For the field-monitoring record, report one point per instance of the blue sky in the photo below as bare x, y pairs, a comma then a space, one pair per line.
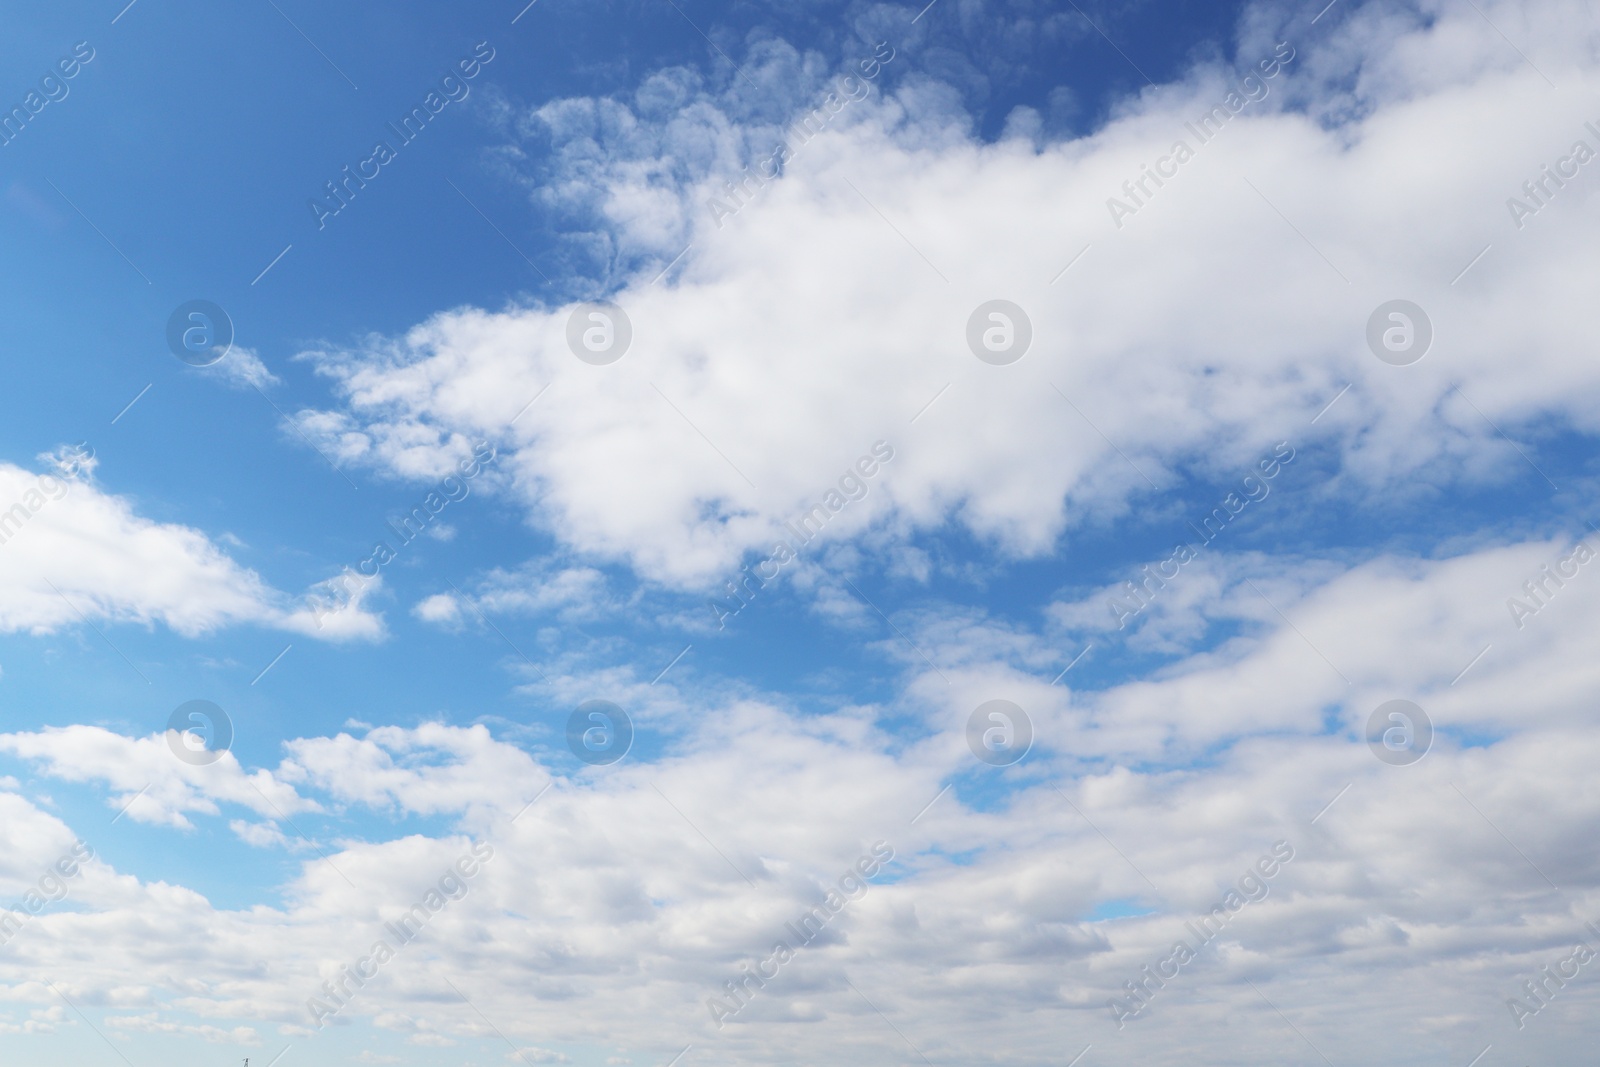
1176, 348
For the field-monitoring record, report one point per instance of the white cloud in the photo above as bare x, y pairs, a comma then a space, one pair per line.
241, 368
72, 550
441, 608
39, 1021
434, 769
536, 588
628, 884
629, 887
334, 610
833, 308
153, 1023
149, 781
260, 834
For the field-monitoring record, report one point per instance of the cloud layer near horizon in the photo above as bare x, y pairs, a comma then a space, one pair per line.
649, 883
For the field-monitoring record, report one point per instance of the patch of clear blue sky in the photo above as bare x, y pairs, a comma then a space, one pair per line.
1117, 909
